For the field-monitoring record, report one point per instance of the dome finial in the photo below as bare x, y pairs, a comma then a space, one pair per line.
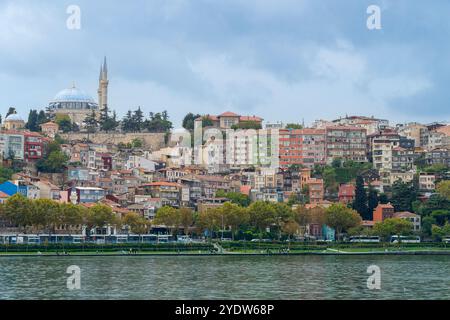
73, 85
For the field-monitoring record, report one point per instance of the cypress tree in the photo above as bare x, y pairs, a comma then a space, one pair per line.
360, 202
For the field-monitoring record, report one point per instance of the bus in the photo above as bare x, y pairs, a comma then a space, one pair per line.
405, 239
365, 239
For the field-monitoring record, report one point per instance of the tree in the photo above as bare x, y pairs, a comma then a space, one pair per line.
32, 123
138, 120
391, 227
185, 219
189, 120
106, 122
441, 216
42, 118
372, 202
403, 195
303, 218
54, 163
91, 122
137, 143
137, 223
290, 227
5, 174
207, 122
233, 216
360, 201
283, 213
427, 224
64, 122
167, 216
246, 125
294, 126
46, 213
18, 210
209, 220
341, 218
72, 214
235, 197
443, 188
128, 122
158, 122
11, 110
440, 232
100, 216
262, 215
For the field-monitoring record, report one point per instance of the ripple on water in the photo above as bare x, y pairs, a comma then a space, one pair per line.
237, 277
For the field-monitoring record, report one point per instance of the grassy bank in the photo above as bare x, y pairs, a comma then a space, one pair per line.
231, 248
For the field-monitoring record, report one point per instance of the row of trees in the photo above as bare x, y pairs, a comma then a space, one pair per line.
44, 215
257, 219
135, 121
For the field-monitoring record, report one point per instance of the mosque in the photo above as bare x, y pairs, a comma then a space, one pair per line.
77, 104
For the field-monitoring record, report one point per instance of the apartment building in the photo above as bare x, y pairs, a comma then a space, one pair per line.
347, 143
302, 147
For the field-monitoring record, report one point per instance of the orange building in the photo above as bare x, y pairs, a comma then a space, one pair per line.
382, 212
302, 147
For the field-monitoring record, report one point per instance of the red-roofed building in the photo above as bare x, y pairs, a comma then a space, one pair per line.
346, 193
383, 212
228, 119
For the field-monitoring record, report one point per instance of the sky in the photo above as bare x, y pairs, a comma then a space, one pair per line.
283, 60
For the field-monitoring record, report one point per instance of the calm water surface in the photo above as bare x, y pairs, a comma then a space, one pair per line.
260, 277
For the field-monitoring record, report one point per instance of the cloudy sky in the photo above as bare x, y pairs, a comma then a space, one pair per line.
284, 60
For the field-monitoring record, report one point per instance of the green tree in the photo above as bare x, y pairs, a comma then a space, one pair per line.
167, 216
64, 122
341, 218
100, 216
11, 110
209, 220
360, 201
32, 123
189, 120
391, 227
443, 188
18, 210
372, 202
403, 195
91, 122
185, 219
262, 215
294, 126
137, 223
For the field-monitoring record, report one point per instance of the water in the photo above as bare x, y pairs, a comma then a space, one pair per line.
238, 277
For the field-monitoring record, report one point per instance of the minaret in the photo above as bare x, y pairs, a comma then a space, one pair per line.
103, 87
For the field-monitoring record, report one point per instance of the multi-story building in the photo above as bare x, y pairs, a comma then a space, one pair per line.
402, 159
383, 212
438, 156
371, 124
33, 145
413, 131
12, 145
86, 194
427, 182
168, 192
229, 119
302, 147
346, 143
411, 217
346, 193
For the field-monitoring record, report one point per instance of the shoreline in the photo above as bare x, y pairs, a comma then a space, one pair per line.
229, 254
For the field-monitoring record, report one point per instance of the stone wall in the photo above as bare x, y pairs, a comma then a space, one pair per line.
152, 141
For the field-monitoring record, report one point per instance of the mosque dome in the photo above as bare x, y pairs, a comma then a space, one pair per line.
13, 117
73, 98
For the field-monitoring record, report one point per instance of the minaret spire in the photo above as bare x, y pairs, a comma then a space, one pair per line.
105, 69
